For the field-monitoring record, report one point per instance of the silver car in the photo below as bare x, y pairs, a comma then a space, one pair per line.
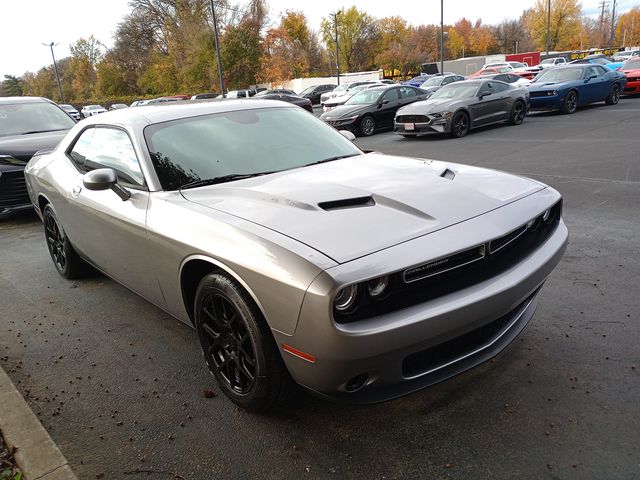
297, 257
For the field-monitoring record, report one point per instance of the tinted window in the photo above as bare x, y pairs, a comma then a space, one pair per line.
392, 95
590, 71
486, 88
502, 78
406, 92
210, 146
499, 87
23, 118
110, 148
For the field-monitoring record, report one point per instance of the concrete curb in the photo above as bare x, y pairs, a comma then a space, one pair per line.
37, 455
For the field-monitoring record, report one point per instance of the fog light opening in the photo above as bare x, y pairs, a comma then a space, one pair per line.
357, 382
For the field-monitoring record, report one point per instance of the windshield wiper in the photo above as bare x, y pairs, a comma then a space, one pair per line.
221, 179
331, 159
42, 131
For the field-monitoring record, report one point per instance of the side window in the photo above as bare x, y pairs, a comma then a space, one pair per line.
392, 95
406, 92
486, 88
112, 148
601, 70
447, 80
459, 78
499, 87
81, 150
502, 78
590, 71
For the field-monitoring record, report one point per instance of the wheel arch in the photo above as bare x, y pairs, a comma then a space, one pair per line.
194, 268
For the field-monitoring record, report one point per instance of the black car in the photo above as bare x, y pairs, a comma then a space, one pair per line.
372, 109
27, 125
434, 84
313, 93
299, 101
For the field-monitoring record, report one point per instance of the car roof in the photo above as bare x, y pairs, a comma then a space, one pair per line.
163, 112
14, 100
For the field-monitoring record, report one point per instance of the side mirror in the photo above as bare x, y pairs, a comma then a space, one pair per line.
484, 94
105, 179
348, 135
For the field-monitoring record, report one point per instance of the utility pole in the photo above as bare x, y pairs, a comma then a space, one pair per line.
217, 42
335, 29
613, 22
548, 26
442, 37
603, 4
55, 67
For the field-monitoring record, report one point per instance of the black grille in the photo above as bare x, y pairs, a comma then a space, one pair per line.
443, 264
538, 94
412, 119
453, 349
13, 190
508, 251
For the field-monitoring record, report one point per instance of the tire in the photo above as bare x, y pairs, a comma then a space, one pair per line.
518, 112
570, 104
460, 125
367, 126
238, 346
614, 95
66, 260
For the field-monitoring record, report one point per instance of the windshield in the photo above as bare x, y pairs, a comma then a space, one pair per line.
307, 90
547, 61
433, 82
215, 145
601, 61
631, 64
341, 88
561, 74
24, 118
456, 90
366, 97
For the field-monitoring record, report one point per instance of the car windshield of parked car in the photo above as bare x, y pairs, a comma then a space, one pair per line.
307, 90
561, 74
36, 117
433, 82
366, 97
341, 88
632, 64
456, 90
601, 61
204, 148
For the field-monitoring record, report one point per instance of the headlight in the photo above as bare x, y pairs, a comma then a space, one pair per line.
346, 298
552, 93
443, 114
378, 287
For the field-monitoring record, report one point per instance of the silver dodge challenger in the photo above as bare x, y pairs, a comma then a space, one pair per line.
297, 257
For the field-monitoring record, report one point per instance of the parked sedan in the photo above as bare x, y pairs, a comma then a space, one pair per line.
567, 88
293, 99
314, 92
458, 107
118, 106
284, 91
631, 70
417, 80
27, 125
342, 99
91, 110
343, 90
71, 111
510, 78
296, 256
372, 109
435, 83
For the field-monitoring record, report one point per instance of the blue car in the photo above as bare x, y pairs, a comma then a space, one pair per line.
417, 81
567, 88
599, 60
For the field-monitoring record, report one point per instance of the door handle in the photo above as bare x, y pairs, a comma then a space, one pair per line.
76, 190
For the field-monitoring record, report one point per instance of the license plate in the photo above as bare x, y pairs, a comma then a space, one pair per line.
409, 126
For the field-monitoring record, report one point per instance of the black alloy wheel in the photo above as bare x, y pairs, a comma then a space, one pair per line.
238, 346
518, 112
460, 125
570, 104
367, 126
67, 262
614, 95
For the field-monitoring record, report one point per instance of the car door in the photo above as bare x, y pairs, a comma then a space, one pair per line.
109, 231
490, 105
603, 83
387, 107
592, 84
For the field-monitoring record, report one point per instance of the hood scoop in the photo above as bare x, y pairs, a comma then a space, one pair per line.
347, 203
448, 174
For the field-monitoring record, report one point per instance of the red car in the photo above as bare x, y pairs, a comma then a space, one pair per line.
631, 70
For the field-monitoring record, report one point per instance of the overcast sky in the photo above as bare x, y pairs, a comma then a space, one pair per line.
26, 24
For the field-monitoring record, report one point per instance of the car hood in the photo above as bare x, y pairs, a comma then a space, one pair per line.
356, 206
435, 105
633, 72
345, 111
22, 147
548, 85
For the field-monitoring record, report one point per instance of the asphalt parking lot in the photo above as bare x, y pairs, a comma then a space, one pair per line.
119, 384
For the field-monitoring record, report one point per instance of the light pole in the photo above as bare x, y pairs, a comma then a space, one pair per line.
548, 26
442, 37
217, 42
335, 28
55, 67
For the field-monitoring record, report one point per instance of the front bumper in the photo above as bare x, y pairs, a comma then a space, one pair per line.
434, 125
409, 349
632, 87
14, 197
549, 102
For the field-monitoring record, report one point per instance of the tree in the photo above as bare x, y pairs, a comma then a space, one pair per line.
628, 28
511, 36
357, 36
460, 40
12, 86
241, 49
565, 24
